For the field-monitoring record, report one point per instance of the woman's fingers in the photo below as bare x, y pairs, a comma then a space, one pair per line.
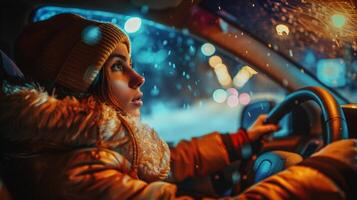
261, 119
269, 128
259, 129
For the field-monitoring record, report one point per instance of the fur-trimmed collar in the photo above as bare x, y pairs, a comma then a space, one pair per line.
30, 116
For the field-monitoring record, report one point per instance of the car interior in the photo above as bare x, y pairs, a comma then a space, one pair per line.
269, 72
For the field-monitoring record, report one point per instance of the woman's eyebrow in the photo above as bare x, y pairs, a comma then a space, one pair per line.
122, 57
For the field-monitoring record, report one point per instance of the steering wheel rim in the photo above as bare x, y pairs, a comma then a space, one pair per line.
335, 125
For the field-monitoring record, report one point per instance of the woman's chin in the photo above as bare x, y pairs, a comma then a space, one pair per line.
135, 113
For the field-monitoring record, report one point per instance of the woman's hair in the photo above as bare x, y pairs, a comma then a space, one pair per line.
102, 90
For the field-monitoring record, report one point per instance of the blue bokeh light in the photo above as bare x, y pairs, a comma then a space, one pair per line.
332, 72
309, 59
91, 35
208, 49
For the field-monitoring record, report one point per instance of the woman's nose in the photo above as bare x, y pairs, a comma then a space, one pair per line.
136, 80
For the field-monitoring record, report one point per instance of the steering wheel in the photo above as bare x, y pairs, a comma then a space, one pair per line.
333, 123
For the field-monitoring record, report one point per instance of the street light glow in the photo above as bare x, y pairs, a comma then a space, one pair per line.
282, 30
338, 20
132, 25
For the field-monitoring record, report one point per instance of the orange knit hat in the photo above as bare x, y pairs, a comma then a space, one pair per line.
67, 49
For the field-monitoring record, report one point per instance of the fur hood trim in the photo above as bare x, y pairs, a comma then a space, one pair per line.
32, 117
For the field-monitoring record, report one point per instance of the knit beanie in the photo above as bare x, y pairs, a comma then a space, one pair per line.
67, 49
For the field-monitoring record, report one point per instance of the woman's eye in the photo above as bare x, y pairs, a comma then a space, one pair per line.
117, 67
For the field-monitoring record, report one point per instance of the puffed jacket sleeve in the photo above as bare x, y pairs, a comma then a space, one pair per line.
106, 177
104, 174
207, 154
298, 182
313, 178
198, 157
318, 177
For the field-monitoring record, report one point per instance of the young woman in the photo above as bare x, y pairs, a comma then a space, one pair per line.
86, 141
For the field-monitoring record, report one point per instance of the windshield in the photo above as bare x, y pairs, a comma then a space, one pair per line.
320, 36
192, 87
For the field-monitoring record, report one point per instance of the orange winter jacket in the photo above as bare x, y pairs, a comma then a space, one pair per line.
70, 149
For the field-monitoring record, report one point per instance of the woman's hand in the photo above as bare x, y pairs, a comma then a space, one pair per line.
259, 129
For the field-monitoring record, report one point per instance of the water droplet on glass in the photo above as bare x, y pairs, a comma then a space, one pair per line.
154, 91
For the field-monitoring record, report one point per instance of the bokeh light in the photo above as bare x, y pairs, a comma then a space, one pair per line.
232, 101
282, 30
208, 49
219, 95
250, 70
244, 98
223, 75
243, 75
332, 72
338, 20
214, 61
155, 91
132, 25
309, 59
241, 78
232, 91
91, 35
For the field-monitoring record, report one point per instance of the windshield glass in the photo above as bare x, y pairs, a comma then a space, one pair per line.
192, 87
320, 36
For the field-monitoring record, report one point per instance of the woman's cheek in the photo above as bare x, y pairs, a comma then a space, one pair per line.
121, 91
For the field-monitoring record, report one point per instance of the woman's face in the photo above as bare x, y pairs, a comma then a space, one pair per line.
124, 81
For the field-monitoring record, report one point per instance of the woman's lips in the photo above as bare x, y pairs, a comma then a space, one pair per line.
138, 101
